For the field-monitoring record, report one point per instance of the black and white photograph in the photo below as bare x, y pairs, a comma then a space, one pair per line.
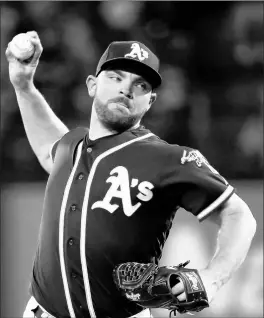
131, 159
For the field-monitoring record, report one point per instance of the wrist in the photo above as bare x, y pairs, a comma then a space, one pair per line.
210, 283
218, 273
26, 88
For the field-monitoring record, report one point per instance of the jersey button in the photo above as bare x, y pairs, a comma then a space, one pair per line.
71, 241
73, 207
81, 176
89, 149
73, 275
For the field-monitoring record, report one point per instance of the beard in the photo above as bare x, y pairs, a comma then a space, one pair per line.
117, 117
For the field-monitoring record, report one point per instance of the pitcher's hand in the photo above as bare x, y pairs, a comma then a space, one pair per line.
21, 73
208, 282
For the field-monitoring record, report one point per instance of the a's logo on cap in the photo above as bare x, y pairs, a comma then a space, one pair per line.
138, 52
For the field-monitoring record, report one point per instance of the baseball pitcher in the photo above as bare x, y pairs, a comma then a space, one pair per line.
113, 190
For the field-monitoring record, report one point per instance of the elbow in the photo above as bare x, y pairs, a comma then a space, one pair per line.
251, 229
249, 219
253, 225
238, 209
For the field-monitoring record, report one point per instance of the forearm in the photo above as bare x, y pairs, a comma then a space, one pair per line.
233, 242
41, 124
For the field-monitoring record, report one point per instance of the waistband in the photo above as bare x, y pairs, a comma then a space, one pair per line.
40, 312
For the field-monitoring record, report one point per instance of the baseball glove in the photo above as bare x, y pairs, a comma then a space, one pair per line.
151, 286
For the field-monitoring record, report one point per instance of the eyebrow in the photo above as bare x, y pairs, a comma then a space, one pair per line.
121, 73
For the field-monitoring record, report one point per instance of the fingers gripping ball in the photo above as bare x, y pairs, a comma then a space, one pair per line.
21, 47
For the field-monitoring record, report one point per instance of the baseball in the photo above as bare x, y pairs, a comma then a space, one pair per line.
21, 47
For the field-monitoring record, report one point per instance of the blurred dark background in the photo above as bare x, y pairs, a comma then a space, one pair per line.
211, 99
211, 61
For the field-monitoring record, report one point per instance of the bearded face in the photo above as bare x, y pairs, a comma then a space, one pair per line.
121, 99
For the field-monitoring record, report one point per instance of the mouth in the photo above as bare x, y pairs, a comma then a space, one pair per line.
121, 104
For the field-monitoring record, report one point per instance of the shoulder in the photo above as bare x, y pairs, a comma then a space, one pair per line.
178, 155
68, 143
173, 151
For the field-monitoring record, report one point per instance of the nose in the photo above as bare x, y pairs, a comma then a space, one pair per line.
126, 90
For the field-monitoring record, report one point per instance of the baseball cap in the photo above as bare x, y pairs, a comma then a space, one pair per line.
134, 56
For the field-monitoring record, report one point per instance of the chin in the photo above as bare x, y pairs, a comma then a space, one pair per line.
120, 124
117, 126
117, 118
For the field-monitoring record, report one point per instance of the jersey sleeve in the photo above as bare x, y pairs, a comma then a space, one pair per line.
201, 189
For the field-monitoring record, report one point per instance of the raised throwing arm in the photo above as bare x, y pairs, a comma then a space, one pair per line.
41, 124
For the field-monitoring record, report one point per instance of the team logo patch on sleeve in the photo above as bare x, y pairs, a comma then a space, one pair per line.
198, 158
193, 155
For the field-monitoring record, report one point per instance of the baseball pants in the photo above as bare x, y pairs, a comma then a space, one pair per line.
34, 310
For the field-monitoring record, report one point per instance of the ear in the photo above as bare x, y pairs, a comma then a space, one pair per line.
91, 82
153, 97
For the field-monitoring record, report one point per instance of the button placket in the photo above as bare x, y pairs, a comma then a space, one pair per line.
73, 275
81, 176
71, 241
73, 207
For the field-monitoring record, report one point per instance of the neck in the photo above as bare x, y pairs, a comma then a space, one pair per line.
98, 130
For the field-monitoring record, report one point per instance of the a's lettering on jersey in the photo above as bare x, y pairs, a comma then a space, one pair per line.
199, 159
120, 188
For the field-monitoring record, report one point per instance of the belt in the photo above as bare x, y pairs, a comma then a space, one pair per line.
40, 313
